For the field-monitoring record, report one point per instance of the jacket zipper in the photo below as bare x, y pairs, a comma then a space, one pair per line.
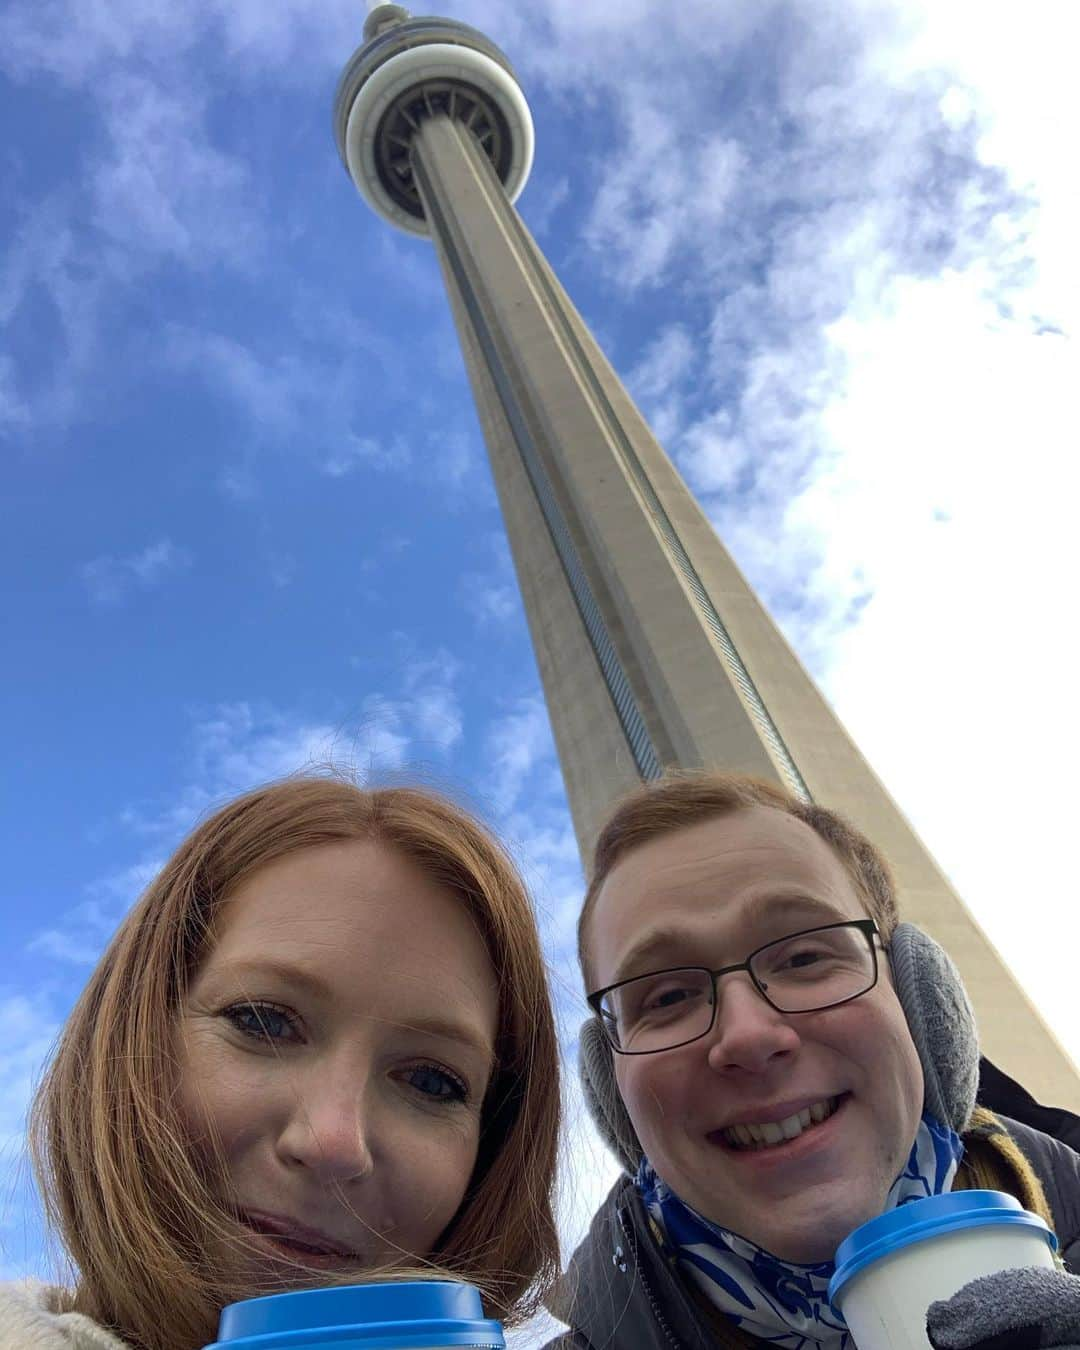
631, 1238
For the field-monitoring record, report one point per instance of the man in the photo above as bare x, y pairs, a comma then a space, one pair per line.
776, 1059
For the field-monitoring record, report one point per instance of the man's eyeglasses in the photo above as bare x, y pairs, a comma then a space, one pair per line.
803, 972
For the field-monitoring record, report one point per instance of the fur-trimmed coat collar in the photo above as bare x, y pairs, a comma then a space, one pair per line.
34, 1316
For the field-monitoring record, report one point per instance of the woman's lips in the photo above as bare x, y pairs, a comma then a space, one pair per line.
281, 1248
297, 1241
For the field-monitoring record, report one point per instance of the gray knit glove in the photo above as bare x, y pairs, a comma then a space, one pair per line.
1027, 1309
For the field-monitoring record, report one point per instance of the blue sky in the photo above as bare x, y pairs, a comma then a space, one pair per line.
248, 523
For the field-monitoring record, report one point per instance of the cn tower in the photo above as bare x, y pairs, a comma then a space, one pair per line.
653, 650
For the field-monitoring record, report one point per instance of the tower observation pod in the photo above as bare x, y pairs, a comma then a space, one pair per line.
653, 650
408, 72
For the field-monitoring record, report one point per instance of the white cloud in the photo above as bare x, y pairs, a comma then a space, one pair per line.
29, 1028
296, 394
79, 43
660, 380
156, 561
667, 361
540, 211
30, 1024
490, 602
523, 795
353, 453
46, 277
517, 742
491, 595
161, 188
13, 410
109, 581
238, 746
435, 717
87, 927
669, 187
952, 513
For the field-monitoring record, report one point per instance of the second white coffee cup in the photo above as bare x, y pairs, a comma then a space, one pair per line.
891, 1269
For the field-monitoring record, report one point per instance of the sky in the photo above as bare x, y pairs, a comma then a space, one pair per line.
247, 523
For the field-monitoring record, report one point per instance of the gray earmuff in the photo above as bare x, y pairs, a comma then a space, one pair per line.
596, 1068
941, 1022
938, 1014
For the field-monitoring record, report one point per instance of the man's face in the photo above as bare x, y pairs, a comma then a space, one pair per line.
709, 895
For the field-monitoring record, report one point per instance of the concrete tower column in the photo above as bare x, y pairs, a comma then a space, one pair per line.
653, 649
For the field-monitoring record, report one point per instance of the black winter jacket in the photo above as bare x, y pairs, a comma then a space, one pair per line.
620, 1293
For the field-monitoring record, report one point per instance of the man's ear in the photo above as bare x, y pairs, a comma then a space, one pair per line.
596, 1067
941, 1021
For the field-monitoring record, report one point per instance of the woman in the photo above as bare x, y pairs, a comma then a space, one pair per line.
319, 1047
776, 1059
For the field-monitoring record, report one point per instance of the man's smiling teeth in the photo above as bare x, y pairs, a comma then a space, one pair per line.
779, 1131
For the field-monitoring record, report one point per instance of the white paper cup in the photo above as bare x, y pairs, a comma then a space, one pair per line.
891, 1269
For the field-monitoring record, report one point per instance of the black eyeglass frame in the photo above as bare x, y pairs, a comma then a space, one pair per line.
868, 927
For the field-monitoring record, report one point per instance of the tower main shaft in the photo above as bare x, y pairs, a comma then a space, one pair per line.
653, 650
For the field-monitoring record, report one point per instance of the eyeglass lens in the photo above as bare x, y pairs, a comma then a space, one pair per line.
797, 974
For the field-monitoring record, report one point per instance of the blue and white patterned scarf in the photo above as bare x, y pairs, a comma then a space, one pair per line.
778, 1301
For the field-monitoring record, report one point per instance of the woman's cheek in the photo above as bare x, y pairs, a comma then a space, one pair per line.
229, 1102
441, 1156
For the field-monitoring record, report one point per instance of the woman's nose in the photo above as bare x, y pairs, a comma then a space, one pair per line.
749, 1033
329, 1132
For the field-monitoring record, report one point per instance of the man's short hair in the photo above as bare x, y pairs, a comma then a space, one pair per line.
686, 798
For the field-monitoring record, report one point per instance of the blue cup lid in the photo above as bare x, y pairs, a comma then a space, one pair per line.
920, 1219
373, 1316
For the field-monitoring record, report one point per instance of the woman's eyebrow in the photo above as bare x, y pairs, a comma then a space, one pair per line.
439, 1026
285, 971
447, 1029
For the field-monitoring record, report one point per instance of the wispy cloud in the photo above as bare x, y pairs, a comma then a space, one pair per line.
78, 43
162, 189
46, 279
491, 595
110, 581
88, 926
238, 746
661, 378
665, 191
490, 601
526, 799
29, 1027
13, 410
517, 743
30, 1023
301, 396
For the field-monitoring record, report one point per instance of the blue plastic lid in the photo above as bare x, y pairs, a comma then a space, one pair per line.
921, 1219
372, 1316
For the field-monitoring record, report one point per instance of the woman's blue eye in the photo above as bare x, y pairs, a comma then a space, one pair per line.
261, 1021
436, 1083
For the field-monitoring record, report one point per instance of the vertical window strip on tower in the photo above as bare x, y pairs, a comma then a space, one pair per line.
737, 669
615, 678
